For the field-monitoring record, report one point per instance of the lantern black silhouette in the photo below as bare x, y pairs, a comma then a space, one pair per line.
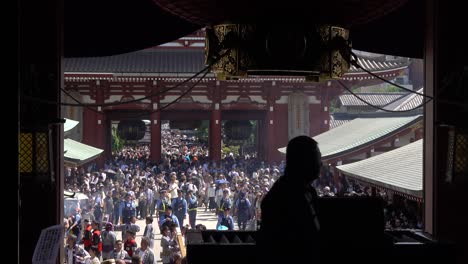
131, 129
185, 124
238, 129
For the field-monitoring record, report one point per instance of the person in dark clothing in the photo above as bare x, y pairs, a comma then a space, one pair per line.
289, 231
227, 222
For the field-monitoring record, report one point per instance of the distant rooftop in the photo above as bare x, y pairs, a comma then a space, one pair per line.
378, 99
360, 133
336, 122
165, 59
69, 124
407, 102
399, 169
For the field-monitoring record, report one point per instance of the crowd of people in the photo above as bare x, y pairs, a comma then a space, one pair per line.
399, 212
167, 195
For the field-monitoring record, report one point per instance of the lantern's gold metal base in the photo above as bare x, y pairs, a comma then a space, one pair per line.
324, 52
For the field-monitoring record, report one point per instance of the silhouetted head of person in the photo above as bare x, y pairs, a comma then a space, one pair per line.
303, 159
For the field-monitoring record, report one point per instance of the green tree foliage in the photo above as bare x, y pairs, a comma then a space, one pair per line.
117, 142
253, 134
203, 131
228, 149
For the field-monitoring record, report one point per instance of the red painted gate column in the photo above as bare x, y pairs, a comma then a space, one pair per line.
100, 136
215, 133
270, 129
155, 128
215, 125
325, 108
270, 133
89, 126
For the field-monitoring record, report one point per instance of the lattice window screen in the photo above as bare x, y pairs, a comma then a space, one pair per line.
34, 152
42, 152
26, 153
461, 154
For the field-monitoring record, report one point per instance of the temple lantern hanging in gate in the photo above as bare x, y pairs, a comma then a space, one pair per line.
185, 124
238, 129
131, 129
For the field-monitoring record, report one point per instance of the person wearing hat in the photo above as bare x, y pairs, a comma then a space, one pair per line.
130, 226
179, 207
162, 204
243, 206
224, 203
168, 218
108, 241
192, 207
226, 220
129, 209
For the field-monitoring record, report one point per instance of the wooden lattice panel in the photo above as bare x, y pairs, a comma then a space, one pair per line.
26, 153
42, 152
461, 154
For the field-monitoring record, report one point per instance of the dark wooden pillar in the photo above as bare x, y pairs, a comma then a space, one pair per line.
446, 68
108, 138
100, 132
89, 127
96, 129
40, 186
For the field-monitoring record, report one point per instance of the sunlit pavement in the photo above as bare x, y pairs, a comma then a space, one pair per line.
209, 219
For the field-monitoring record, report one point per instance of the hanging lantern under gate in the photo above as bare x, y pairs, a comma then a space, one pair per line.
131, 129
184, 124
238, 129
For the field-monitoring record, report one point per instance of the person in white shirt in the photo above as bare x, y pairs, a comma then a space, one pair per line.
119, 252
173, 187
219, 194
145, 253
191, 187
94, 255
210, 194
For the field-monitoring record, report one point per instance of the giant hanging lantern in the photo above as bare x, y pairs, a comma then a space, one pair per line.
238, 129
131, 129
317, 52
283, 38
184, 124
